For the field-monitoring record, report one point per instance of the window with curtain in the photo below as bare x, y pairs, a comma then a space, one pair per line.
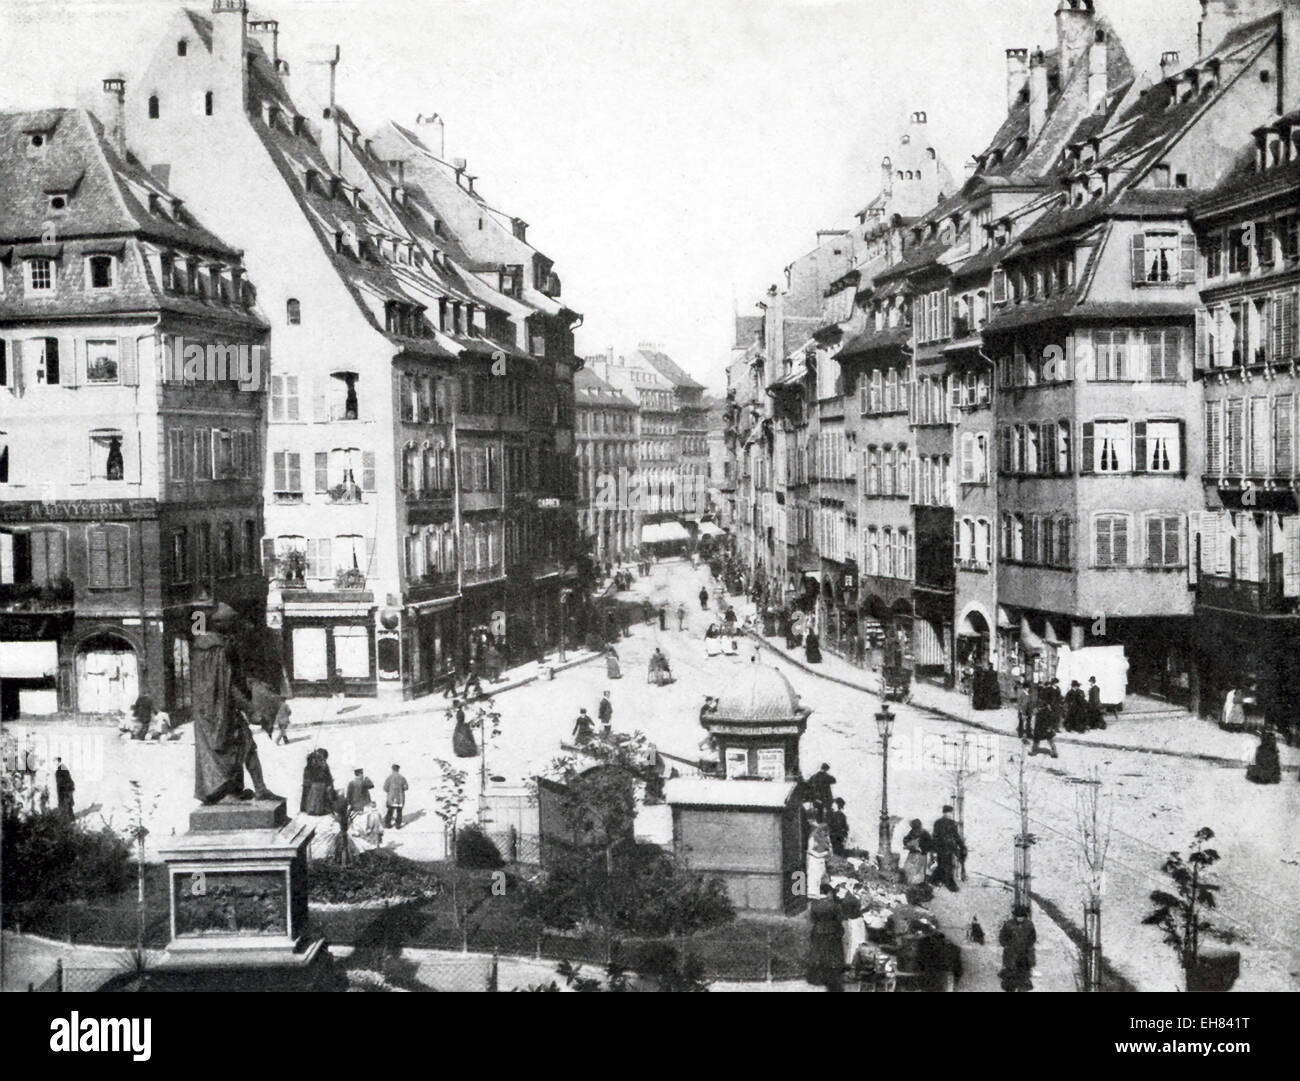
1111, 440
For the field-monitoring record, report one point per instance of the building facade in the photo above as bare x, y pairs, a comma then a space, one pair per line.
133, 367
605, 430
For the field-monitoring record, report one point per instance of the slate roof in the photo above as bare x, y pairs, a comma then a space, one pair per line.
873, 341
592, 389
670, 369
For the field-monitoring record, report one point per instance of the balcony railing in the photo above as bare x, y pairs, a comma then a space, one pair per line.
1241, 595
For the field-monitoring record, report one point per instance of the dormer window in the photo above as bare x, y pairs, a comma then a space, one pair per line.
101, 271
311, 179
182, 47
153, 107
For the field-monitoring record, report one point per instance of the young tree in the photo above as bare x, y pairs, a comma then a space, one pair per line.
1180, 914
1025, 839
448, 802
1093, 815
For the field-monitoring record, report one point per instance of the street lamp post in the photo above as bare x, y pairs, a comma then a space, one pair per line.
886, 858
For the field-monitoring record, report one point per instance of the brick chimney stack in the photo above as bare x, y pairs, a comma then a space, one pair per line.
113, 114
1037, 93
1097, 72
229, 46
1075, 23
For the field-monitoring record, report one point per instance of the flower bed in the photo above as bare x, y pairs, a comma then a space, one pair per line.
377, 877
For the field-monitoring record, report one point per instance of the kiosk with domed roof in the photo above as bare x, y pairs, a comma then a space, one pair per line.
745, 827
756, 723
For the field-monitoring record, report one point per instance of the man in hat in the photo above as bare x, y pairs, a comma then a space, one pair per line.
837, 822
395, 787
359, 787
819, 786
1017, 939
605, 711
949, 849
223, 741
1076, 708
1094, 714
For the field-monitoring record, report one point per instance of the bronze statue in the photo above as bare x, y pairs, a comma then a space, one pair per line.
223, 740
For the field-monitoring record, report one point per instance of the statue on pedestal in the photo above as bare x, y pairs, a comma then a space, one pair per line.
223, 740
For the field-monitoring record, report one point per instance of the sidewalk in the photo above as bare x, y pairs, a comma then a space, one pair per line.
1191, 737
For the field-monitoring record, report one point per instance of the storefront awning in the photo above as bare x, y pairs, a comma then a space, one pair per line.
708, 529
1028, 639
660, 532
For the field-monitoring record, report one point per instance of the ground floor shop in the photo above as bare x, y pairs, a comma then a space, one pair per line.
1258, 655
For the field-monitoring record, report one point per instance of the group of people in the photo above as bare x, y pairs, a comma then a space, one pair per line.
1042, 711
722, 639
584, 729
936, 856
800, 629
355, 804
147, 723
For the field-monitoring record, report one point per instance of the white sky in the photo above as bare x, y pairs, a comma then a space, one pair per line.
671, 156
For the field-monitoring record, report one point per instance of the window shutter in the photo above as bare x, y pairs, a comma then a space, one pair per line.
268, 553
1119, 542
119, 557
52, 372
1187, 263
1104, 555
1202, 358
75, 352
97, 546
1222, 542
1291, 556
1084, 363
1086, 448
134, 454
1193, 536
1138, 257
320, 398
370, 555
1209, 532
324, 560
322, 470
1155, 541
16, 368
1139, 446
1182, 448
127, 368
367, 470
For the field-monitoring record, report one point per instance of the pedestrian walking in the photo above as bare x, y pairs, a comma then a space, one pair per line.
583, 729
395, 787
1045, 723
837, 822
949, 849
812, 647
663, 617
1266, 769
358, 793
704, 598
64, 787
462, 737
681, 617
819, 787
1017, 939
1096, 719
282, 714
613, 670
1024, 709
605, 711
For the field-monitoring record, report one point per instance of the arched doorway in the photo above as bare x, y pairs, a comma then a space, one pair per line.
108, 674
973, 639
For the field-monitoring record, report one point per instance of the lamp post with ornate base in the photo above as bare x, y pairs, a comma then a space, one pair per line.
886, 858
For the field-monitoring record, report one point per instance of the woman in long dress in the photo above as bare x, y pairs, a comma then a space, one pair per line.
612, 668
826, 942
463, 743
317, 784
917, 844
712, 643
812, 647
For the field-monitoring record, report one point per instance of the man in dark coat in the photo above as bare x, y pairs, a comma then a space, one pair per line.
1095, 717
704, 598
1046, 722
358, 794
63, 788
1076, 709
1017, 939
838, 824
819, 787
223, 742
1024, 709
663, 617
605, 711
949, 849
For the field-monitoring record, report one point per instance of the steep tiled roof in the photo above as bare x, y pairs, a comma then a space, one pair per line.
670, 369
591, 389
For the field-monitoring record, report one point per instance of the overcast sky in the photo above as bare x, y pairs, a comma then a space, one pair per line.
671, 156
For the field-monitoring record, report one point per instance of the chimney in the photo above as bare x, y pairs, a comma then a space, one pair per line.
1218, 17
1037, 93
114, 114
1168, 63
282, 70
268, 28
229, 44
1097, 88
1017, 73
1075, 23
436, 136
886, 176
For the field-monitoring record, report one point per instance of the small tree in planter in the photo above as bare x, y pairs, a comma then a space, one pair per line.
448, 801
1093, 819
1180, 916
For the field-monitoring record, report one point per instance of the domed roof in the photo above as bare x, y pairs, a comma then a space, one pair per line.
760, 694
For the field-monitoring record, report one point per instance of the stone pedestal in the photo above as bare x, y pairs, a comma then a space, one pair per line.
238, 889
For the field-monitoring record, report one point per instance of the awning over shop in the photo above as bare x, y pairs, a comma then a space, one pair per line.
708, 529
1028, 639
663, 531
29, 660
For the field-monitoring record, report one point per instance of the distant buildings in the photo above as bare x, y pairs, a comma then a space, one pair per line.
975, 423
606, 433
